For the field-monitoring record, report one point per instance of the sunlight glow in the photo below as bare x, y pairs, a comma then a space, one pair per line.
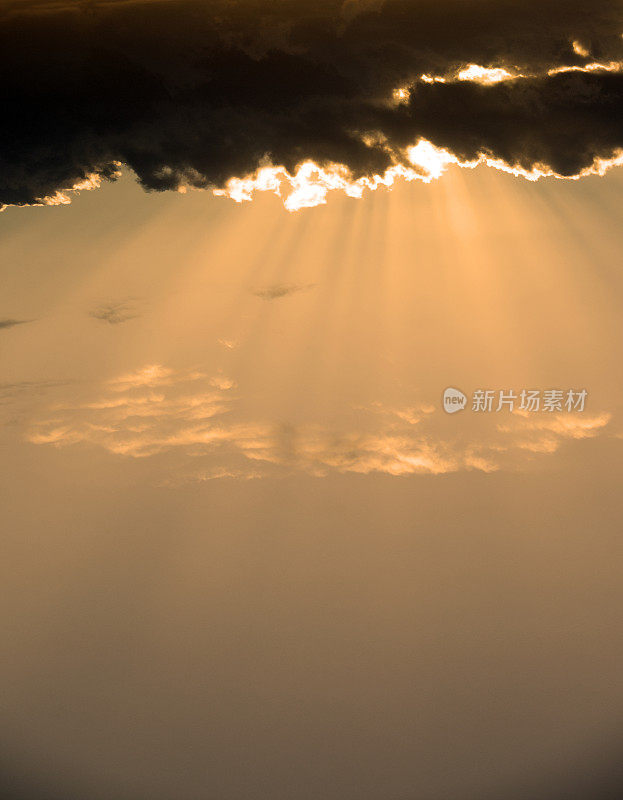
485, 75
475, 73
311, 183
402, 94
595, 66
580, 50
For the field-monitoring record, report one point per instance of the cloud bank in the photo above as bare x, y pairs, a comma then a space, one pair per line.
193, 94
196, 418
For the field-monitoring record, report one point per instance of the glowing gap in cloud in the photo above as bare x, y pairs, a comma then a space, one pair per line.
311, 184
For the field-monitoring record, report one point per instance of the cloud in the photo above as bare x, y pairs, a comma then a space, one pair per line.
11, 323
222, 382
10, 390
279, 290
197, 418
115, 313
188, 93
155, 375
19, 400
546, 434
228, 344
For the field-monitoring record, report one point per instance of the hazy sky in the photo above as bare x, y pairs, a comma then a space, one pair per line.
246, 552
247, 555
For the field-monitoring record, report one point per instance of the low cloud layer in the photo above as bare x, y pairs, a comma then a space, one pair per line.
188, 93
197, 419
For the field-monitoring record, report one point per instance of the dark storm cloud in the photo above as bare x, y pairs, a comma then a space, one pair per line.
183, 91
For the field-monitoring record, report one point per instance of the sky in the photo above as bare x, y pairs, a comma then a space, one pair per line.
247, 553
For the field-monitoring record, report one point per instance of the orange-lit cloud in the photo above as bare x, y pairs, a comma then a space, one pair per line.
157, 410
311, 184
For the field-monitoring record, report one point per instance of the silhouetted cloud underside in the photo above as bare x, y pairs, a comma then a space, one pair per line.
189, 92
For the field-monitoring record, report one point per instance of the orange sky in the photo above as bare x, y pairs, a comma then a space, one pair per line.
246, 548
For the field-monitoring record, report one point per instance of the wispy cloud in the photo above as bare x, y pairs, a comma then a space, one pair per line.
149, 375
116, 313
30, 387
545, 434
146, 412
11, 323
228, 344
197, 415
19, 400
279, 290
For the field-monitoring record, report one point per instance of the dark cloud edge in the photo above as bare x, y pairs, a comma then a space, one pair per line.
133, 86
